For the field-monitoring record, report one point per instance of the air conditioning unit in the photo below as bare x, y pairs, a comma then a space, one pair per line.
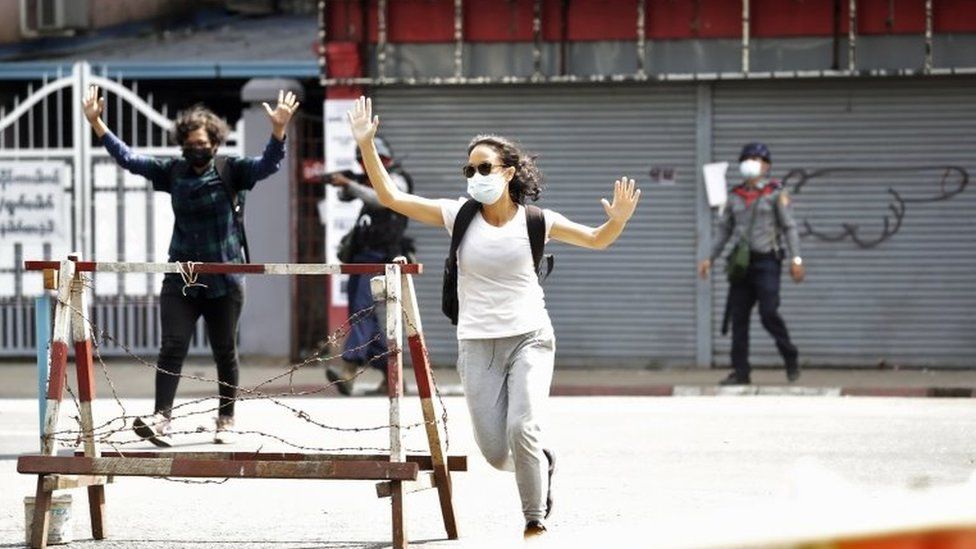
56, 16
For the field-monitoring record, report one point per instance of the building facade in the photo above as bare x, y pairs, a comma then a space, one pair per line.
865, 105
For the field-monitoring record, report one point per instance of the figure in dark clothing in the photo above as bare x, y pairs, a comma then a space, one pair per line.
760, 213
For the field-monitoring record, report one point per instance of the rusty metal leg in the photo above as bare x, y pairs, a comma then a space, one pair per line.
42, 515
421, 369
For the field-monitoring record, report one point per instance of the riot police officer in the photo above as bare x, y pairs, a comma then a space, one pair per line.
758, 215
378, 236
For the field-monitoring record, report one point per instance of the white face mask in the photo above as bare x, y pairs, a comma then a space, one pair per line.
486, 189
750, 169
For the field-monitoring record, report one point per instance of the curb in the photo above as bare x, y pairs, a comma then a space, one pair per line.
683, 391
694, 390
930, 392
762, 390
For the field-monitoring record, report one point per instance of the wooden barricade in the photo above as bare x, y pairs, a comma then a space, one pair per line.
91, 468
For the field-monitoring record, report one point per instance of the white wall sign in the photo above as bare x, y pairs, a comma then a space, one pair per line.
715, 185
33, 204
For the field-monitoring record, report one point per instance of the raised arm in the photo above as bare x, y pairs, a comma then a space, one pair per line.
351, 189
625, 198
254, 169
364, 125
150, 168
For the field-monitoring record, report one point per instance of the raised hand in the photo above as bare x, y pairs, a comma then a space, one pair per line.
362, 123
625, 197
93, 104
282, 113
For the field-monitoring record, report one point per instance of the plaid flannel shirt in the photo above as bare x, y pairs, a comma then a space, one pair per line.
204, 228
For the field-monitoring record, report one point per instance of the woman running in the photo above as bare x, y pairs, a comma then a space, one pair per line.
506, 346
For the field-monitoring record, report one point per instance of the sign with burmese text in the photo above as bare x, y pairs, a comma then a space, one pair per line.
33, 202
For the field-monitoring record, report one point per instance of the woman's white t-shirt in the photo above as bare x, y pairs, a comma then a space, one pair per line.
498, 290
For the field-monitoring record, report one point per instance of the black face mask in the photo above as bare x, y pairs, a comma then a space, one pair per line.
198, 157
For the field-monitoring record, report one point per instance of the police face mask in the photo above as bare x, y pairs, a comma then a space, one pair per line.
198, 157
751, 168
486, 189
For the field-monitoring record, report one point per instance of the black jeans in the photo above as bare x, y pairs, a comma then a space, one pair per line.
761, 284
178, 318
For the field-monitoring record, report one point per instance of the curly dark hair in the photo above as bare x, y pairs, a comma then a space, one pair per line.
527, 182
197, 117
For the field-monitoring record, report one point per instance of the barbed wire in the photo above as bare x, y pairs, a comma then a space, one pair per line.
105, 432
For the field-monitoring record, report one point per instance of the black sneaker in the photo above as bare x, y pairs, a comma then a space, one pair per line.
534, 529
155, 429
551, 456
735, 379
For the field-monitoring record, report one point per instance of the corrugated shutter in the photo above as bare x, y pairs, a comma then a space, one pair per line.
910, 300
630, 305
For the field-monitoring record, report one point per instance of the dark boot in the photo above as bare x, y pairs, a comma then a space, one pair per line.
735, 379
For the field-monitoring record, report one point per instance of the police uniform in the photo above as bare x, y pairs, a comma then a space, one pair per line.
772, 238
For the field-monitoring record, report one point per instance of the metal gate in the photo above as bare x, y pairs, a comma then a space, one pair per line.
110, 214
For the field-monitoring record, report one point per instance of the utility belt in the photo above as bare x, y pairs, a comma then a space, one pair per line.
776, 255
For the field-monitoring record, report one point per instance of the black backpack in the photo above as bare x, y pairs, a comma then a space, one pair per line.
536, 225
180, 167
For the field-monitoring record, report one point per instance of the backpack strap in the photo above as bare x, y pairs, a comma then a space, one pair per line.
535, 221
223, 168
461, 223
449, 290
226, 175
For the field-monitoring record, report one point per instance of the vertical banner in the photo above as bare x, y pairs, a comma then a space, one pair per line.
337, 216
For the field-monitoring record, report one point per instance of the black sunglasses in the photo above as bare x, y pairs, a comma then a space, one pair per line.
484, 169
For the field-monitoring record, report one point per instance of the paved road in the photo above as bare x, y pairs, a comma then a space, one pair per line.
634, 472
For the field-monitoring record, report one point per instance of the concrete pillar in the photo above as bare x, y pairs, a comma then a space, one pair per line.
266, 323
703, 228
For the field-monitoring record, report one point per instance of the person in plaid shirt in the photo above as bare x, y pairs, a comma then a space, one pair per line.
204, 230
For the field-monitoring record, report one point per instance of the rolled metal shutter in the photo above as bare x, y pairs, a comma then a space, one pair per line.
909, 300
630, 305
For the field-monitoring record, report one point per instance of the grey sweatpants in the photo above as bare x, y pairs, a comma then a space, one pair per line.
506, 383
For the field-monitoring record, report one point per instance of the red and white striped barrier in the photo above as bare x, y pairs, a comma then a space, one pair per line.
421, 370
59, 355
